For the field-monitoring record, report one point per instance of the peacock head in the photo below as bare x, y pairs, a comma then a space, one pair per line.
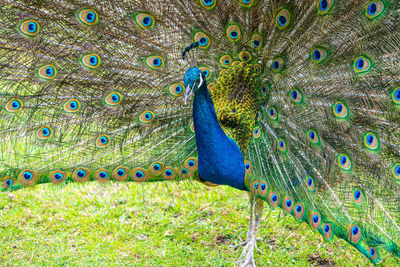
193, 80
194, 77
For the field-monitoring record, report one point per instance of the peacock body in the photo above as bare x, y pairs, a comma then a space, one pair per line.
296, 102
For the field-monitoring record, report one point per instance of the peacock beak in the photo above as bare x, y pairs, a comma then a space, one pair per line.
188, 93
189, 90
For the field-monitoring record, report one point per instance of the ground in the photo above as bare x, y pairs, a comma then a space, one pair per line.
157, 224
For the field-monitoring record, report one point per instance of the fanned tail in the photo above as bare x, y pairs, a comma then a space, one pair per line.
327, 148
93, 92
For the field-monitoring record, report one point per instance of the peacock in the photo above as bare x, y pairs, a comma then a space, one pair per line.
295, 102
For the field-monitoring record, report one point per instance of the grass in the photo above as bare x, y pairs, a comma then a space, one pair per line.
157, 224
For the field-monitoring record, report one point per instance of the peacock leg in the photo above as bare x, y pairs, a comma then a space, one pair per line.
256, 209
252, 199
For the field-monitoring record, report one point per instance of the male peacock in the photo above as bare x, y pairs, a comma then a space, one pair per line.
296, 102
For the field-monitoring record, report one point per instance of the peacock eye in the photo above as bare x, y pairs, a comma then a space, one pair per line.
87, 16
145, 21
282, 19
324, 6
29, 27
374, 9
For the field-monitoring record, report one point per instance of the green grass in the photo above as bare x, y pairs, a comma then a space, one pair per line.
157, 224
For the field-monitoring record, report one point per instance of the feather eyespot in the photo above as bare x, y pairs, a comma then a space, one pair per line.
88, 16
191, 164
324, 6
247, 167
262, 189
27, 177
44, 132
371, 141
29, 27
327, 231
246, 3
358, 196
354, 234
47, 72
282, 19
225, 61
319, 55
315, 220
281, 145
374, 9
310, 183
81, 175
169, 173
140, 175
233, 32
208, 4
203, 39
373, 253
288, 204
146, 116
206, 71
396, 171
362, 64
113, 99
7, 182
254, 187
256, 132
184, 173
313, 137
273, 200
259, 116
298, 211
265, 88
101, 175
245, 56
396, 96
145, 21
176, 89
90, 61
340, 110
344, 162
121, 173
156, 168
155, 62
102, 141
277, 64
57, 177
256, 41
296, 96
13, 105
72, 105
272, 113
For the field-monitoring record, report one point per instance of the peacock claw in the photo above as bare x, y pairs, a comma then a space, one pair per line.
245, 243
247, 256
240, 245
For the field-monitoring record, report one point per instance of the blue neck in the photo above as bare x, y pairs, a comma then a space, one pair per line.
220, 159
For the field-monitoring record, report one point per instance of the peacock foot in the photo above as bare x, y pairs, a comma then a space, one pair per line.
246, 242
247, 257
